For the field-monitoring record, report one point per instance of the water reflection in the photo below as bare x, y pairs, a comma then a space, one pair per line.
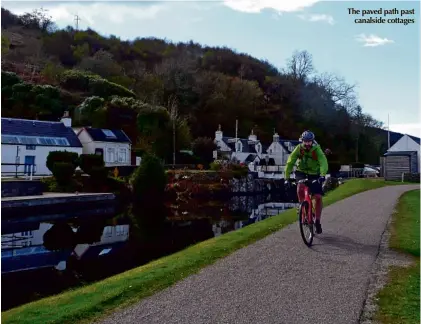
40, 259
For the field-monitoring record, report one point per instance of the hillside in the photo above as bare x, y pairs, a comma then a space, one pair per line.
141, 85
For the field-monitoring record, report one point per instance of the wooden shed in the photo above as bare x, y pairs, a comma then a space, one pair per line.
397, 163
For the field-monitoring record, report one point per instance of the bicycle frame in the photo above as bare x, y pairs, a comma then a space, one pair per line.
308, 198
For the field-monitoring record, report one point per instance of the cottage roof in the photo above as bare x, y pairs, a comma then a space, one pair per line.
108, 135
36, 132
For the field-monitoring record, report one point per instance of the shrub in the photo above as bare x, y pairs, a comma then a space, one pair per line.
334, 166
149, 179
63, 172
239, 170
88, 162
61, 156
98, 173
203, 147
9, 79
215, 166
93, 84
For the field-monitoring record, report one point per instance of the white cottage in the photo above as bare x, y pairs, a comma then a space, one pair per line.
244, 150
280, 149
27, 143
114, 145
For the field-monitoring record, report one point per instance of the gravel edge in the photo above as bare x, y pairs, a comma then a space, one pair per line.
386, 258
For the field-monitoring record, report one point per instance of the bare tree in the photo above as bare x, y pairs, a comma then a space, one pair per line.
337, 87
243, 71
300, 65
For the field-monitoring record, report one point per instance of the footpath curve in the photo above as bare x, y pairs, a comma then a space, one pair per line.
278, 279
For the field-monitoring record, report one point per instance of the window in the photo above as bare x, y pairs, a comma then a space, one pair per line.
238, 147
108, 231
30, 147
99, 151
122, 155
34, 140
111, 155
120, 230
108, 133
27, 233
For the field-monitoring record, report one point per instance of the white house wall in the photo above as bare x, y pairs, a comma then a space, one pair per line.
116, 146
26, 238
8, 155
90, 146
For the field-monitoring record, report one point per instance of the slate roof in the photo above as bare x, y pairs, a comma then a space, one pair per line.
37, 128
394, 137
247, 148
98, 135
285, 146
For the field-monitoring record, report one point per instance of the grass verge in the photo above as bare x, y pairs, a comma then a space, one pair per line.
399, 300
82, 305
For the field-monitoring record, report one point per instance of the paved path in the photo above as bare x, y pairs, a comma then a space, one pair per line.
279, 279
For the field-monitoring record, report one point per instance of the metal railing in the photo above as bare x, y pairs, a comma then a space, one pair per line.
27, 172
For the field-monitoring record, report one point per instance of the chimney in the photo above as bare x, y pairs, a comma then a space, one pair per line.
218, 133
66, 119
252, 137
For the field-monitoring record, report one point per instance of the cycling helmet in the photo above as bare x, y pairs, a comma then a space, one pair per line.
307, 136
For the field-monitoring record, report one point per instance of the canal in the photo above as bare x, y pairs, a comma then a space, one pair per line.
43, 258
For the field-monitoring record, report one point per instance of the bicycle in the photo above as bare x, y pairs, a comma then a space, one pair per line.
306, 213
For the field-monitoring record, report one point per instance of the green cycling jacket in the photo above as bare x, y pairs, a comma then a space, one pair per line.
311, 162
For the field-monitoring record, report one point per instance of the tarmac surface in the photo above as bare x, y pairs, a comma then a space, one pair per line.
279, 279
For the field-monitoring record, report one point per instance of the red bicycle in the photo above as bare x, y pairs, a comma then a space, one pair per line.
306, 214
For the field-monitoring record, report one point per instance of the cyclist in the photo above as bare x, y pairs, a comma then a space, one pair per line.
312, 164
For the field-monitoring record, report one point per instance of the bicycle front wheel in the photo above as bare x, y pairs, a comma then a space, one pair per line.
306, 229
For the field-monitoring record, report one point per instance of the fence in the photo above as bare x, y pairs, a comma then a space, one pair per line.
411, 177
17, 170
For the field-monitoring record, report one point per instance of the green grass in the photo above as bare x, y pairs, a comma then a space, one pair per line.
84, 304
399, 300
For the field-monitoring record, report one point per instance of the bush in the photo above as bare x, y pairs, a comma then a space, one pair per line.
239, 170
61, 156
98, 173
88, 162
9, 79
93, 84
215, 166
203, 147
63, 172
149, 179
334, 166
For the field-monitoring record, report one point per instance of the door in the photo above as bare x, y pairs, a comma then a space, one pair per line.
29, 163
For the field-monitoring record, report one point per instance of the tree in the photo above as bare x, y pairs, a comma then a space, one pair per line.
300, 65
38, 18
149, 180
203, 147
155, 126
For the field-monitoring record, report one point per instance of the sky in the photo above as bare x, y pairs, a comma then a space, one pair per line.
382, 59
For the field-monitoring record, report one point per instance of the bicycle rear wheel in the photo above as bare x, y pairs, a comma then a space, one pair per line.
306, 229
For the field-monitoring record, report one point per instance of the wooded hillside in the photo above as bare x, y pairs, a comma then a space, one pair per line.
142, 85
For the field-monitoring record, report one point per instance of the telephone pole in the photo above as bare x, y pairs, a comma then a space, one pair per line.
77, 19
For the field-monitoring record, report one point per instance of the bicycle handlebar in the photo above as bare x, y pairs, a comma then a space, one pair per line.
304, 181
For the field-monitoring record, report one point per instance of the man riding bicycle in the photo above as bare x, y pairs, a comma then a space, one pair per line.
313, 166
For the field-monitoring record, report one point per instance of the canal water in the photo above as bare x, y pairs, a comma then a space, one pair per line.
42, 259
